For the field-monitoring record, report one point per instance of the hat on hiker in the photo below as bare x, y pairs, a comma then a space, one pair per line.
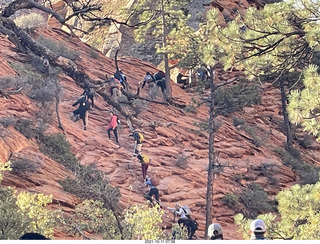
214, 230
258, 225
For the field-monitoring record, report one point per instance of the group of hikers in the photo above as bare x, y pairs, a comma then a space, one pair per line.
257, 231
154, 82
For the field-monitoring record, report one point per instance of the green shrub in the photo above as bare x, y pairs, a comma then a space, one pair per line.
238, 121
23, 166
58, 148
306, 141
237, 178
89, 182
30, 21
252, 130
236, 97
230, 200
182, 161
309, 174
25, 126
255, 201
59, 48
7, 121
94, 54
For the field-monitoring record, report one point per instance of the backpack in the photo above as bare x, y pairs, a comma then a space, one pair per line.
193, 225
141, 138
186, 210
145, 158
86, 105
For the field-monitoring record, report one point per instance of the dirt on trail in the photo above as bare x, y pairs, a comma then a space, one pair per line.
164, 145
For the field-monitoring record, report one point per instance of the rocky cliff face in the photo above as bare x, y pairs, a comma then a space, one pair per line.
165, 146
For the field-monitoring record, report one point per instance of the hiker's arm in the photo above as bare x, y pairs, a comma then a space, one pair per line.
76, 103
144, 83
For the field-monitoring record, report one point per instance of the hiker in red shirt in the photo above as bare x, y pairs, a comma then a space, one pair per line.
112, 126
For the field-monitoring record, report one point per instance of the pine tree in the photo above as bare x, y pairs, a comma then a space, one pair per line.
299, 215
167, 26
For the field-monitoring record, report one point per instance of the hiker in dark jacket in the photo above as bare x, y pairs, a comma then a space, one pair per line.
153, 191
82, 110
159, 75
182, 81
112, 126
121, 77
144, 160
89, 93
160, 78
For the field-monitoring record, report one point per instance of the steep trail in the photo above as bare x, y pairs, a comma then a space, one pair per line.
163, 145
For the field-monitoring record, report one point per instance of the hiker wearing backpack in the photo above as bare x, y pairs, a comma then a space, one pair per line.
153, 190
121, 77
89, 94
185, 219
160, 78
82, 110
144, 160
138, 139
112, 126
215, 232
152, 85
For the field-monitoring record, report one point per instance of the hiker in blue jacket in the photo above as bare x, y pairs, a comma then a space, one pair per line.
153, 191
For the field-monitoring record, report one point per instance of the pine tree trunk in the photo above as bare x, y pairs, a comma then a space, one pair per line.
285, 115
211, 154
168, 95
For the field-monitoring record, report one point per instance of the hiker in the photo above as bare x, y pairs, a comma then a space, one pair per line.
115, 87
185, 219
148, 79
202, 73
215, 232
121, 77
159, 75
89, 93
82, 111
144, 160
182, 81
33, 236
138, 139
112, 126
160, 78
152, 85
153, 191
257, 230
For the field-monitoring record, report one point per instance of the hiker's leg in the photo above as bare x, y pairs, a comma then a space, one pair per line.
138, 148
156, 195
149, 196
92, 102
116, 134
122, 83
144, 168
84, 123
110, 129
